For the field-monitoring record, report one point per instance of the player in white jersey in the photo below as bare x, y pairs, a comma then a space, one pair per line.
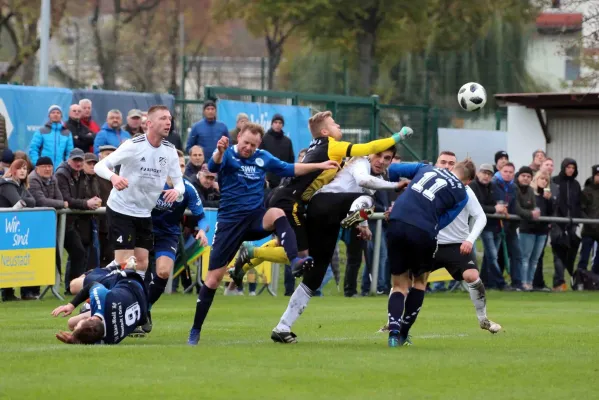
146, 161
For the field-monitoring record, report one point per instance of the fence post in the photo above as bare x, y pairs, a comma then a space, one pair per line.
374, 273
62, 225
497, 120
375, 117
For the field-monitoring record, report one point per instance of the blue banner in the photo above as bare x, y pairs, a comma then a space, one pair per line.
296, 118
25, 109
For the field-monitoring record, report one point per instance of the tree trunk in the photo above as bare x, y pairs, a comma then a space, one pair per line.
24, 55
366, 42
174, 45
275, 51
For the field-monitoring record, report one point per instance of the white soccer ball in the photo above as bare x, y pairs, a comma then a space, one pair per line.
472, 96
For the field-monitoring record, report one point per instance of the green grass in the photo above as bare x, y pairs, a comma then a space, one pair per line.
548, 350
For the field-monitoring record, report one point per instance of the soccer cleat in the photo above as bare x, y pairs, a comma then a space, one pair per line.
489, 325
244, 256
299, 265
130, 265
147, 327
283, 337
138, 333
393, 339
405, 341
194, 337
356, 217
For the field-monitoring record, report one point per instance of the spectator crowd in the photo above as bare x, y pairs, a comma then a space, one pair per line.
57, 171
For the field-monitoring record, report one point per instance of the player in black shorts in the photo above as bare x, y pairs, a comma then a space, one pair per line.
118, 303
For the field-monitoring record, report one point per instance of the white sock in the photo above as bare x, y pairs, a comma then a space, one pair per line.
479, 299
113, 263
142, 274
297, 304
360, 203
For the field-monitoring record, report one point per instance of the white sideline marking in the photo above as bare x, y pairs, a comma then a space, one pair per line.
140, 344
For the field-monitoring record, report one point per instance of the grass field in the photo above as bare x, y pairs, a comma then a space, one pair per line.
549, 349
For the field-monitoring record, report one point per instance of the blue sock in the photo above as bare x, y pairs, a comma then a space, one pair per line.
414, 302
203, 306
252, 286
286, 236
395, 308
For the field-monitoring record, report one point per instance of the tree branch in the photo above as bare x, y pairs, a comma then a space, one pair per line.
146, 5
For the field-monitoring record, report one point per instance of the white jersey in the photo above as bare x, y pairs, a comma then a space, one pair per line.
146, 168
355, 178
459, 230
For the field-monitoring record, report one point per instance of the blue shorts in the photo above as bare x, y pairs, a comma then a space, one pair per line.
166, 245
228, 236
410, 248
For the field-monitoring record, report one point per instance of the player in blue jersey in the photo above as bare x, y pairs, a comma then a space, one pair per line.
241, 215
166, 223
118, 305
432, 201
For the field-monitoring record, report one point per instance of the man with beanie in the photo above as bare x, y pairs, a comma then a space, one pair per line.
590, 209
52, 140
207, 132
501, 158
279, 145
83, 138
242, 119
7, 158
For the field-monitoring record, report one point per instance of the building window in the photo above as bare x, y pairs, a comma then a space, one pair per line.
572, 63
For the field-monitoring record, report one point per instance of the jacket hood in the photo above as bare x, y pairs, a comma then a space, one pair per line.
565, 163
8, 181
499, 179
107, 128
50, 124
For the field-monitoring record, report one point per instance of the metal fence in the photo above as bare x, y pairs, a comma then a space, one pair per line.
377, 237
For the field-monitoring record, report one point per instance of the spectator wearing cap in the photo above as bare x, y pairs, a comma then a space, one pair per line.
590, 209
133, 125
7, 158
196, 160
482, 188
72, 188
242, 119
14, 194
564, 240
538, 158
526, 208
111, 132
86, 116
208, 131
52, 140
106, 249
501, 158
88, 224
3, 135
208, 191
504, 190
83, 138
43, 186
279, 145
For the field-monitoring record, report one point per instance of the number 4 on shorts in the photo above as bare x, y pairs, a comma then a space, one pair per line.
120, 239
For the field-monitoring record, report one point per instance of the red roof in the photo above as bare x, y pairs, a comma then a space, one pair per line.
559, 20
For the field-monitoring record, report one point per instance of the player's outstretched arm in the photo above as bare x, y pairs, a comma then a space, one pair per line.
303, 169
217, 156
403, 170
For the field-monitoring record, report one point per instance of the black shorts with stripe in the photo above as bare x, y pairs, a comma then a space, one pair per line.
448, 256
295, 211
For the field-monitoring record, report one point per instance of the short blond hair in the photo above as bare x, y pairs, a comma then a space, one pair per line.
467, 169
316, 122
253, 128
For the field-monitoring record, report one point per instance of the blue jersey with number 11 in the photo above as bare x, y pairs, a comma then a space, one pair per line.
433, 199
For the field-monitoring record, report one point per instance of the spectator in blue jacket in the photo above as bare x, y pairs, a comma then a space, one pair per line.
504, 192
111, 132
207, 132
52, 140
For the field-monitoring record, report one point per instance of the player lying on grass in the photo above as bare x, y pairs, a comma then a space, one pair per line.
431, 202
293, 195
241, 215
118, 305
455, 244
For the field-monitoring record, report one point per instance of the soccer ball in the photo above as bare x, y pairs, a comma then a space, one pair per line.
472, 96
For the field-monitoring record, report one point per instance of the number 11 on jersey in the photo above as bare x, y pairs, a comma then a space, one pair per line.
429, 193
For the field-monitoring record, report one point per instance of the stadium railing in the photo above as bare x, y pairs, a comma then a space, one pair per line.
377, 237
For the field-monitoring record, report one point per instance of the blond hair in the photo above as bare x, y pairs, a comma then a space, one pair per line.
253, 128
317, 121
467, 169
535, 179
